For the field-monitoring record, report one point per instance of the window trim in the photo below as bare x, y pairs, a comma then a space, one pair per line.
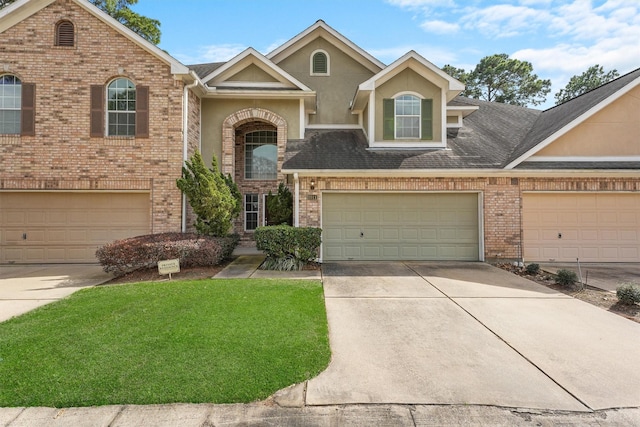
257, 145
312, 63
128, 112
389, 119
17, 81
256, 212
396, 116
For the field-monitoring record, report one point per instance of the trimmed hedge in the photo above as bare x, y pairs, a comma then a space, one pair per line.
287, 248
566, 277
193, 250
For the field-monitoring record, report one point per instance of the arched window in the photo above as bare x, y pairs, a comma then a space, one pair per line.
121, 108
65, 33
320, 63
10, 104
261, 155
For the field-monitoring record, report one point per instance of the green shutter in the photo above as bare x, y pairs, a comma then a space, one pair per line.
388, 121
427, 119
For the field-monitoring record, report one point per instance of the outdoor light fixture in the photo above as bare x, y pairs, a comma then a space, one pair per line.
312, 184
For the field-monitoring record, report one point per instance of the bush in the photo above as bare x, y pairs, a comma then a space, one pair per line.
280, 206
532, 268
628, 293
193, 250
287, 248
566, 277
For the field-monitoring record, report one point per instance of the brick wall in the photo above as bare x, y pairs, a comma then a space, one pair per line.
62, 155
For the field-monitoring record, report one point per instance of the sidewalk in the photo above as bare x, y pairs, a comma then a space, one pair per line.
268, 414
246, 265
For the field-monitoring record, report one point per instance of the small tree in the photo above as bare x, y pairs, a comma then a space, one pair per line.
280, 206
235, 193
208, 195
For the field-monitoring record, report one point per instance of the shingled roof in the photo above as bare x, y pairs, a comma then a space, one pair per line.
492, 137
203, 70
486, 140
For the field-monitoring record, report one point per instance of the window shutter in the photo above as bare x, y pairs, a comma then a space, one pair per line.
142, 111
97, 111
28, 110
427, 119
388, 119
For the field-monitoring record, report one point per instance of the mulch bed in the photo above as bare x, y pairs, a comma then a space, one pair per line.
598, 297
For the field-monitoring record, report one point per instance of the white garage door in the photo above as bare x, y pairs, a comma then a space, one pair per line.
67, 227
374, 226
594, 227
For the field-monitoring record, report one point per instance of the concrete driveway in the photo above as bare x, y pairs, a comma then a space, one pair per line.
470, 334
25, 287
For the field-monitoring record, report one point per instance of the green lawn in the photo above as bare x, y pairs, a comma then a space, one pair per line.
216, 341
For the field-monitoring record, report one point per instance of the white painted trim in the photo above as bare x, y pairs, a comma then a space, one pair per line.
303, 120
481, 226
255, 94
583, 159
467, 173
268, 66
402, 144
366, 59
296, 200
243, 84
574, 123
337, 126
372, 117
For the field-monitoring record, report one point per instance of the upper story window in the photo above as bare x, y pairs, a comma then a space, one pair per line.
65, 34
320, 63
407, 117
261, 155
121, 108
10, 104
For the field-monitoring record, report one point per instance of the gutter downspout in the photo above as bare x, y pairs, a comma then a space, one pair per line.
296, 200
185, 141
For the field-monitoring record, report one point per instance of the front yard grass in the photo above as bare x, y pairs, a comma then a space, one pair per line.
217, 341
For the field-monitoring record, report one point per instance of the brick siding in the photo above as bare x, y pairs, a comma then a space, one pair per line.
62, 155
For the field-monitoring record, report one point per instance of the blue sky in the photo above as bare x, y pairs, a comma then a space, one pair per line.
561, 38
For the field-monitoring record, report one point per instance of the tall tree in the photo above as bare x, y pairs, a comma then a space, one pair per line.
590, 79
120, 10
457, 73
498, 78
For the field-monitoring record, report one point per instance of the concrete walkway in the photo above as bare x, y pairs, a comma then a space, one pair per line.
247, 266
26, 287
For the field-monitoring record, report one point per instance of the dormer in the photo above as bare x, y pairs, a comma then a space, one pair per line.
405, 105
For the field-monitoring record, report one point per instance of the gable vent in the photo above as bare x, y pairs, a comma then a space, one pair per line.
65, 34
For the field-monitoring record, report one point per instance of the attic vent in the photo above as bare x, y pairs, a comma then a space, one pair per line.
65, 34
320, 63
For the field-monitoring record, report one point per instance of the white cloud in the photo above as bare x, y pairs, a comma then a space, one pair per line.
420, 4
440, 27
504, 20
211, 53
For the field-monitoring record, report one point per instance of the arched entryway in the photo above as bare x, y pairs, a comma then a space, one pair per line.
253, 147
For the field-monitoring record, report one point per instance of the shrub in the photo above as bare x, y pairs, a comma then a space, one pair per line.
628, 293
209, 195
532, 268
280, 206
287, 248
566, 277
193, 250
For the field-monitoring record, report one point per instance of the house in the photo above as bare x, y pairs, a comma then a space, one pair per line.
388, 160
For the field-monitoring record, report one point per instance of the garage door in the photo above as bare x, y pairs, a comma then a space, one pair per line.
372, 226
67, 227
593, 227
